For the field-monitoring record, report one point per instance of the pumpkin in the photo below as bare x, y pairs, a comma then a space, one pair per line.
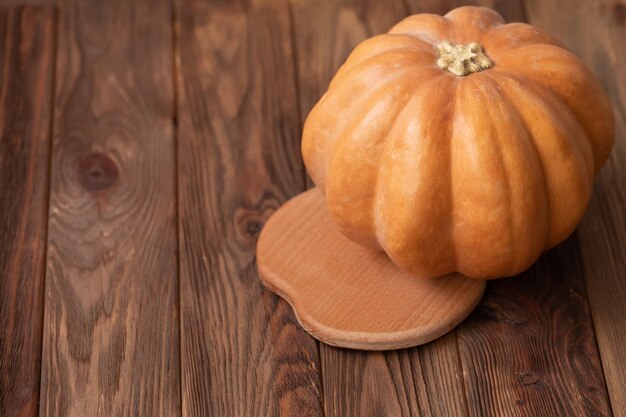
459, 143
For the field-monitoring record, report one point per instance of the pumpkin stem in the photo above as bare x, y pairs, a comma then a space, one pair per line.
462, 59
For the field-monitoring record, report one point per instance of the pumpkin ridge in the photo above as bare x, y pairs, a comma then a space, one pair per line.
377, 195
506, 97
552, 100
524, 35
600, 126
564, 139
347, 136
381, 56
366, 99
385, 210
378, 44
452, 220
484, 138
506, 102
582, 142
424, 42
310, 143
377, 229
430, 28
469, 23
418, 37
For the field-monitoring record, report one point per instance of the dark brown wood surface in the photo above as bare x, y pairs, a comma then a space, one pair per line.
243, 353
529, 348
176, 134
26, 56
111, 334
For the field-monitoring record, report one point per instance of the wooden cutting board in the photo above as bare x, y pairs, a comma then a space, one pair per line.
351, 296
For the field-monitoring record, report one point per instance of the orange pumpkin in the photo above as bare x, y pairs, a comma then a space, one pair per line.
459, 143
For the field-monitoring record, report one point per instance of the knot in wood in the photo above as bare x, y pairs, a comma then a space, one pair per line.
527, 378
254, 228
97, 172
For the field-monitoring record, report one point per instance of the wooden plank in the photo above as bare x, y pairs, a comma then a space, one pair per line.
243, 354
529, 348
111, 334
422, 381
595, 31
26, 51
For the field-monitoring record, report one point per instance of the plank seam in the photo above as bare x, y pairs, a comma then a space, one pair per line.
460, 361
407, 8
51, 127
296, 76
522, 4
175, 136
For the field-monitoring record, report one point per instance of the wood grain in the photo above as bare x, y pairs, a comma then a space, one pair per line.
408, 382
111, 334
529, 348
595, 31
243, 353
351, 296
26, 51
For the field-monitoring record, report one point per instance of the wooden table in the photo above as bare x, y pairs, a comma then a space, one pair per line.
142, 146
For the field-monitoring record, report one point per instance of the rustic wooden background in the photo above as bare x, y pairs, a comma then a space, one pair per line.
142, 146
